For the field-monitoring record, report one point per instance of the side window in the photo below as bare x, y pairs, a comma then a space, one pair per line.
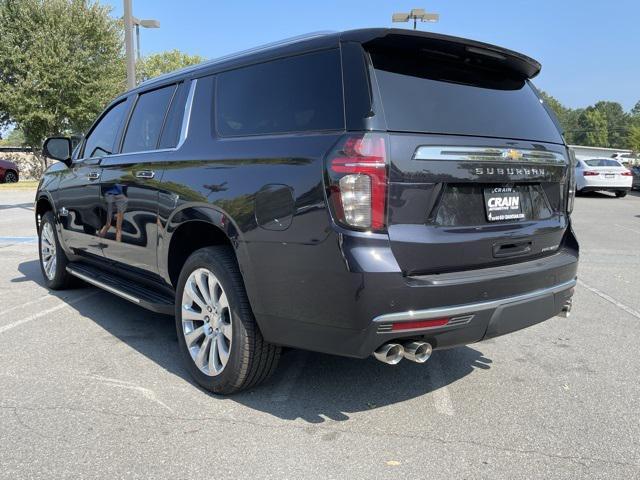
147, 119
295, 94
102, 139
173, 123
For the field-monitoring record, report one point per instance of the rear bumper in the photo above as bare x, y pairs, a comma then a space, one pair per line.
479, 304
469, 323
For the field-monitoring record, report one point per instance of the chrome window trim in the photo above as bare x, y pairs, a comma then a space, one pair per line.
184, 131
233, 56
440, 312
488, 154
186, 117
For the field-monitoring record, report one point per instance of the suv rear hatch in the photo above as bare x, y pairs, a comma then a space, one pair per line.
478, 170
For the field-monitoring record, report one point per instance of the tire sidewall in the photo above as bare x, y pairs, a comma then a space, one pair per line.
232, 375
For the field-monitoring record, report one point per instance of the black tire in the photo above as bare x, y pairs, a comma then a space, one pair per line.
10, 177
621, 193
251, 359
60, 278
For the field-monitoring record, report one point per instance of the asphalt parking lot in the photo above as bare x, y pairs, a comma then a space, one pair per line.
92, 386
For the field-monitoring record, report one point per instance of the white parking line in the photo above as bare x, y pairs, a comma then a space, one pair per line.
46, 312
441, 398
618, 304
26, 304
627, 228
145, 392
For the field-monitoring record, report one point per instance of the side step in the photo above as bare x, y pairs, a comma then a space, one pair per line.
127, 289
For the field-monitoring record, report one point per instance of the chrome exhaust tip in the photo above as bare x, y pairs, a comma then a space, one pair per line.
566, 309
418, 352
390, 353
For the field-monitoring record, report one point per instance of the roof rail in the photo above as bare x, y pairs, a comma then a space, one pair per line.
261, 48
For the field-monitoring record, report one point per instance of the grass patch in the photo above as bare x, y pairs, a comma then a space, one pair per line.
21, 185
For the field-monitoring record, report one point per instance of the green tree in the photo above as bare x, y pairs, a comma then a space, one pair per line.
61, 61
633, 139
15, 138
617, 122
164, 62
592, 128
635, 111
567, 117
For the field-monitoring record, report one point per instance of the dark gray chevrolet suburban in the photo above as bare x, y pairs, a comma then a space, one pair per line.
374, 191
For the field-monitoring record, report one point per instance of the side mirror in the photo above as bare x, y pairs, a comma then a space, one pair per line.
58, 148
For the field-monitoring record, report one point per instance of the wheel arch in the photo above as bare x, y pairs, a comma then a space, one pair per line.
44, 204
193, 227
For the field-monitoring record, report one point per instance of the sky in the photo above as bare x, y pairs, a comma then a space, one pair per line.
589, 50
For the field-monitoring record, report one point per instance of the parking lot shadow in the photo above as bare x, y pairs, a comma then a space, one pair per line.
315, 387
308, 386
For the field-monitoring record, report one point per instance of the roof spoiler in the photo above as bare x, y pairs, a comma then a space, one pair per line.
449, 47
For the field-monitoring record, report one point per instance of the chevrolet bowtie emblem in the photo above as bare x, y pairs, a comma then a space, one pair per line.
512, 154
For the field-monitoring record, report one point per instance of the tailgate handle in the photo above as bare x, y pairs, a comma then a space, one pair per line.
511, 249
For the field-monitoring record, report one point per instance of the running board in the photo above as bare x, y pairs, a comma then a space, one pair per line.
127, 289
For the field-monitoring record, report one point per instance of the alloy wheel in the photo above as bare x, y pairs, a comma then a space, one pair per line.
206, 322
10, 177
48, 251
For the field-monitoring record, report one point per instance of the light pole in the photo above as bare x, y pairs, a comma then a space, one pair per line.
415, 14
144, 24
129, 22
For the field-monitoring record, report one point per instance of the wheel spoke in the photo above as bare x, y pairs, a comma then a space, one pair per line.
222, 302
214, 367
213, 286
203, 286
227, 330
189, 314
223, 350
202, 358
191, 292
194, 335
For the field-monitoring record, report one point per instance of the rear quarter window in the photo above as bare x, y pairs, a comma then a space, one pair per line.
295, 94
602, 162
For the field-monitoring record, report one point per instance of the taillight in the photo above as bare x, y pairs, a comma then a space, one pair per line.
627, 173
590, 173
357, 190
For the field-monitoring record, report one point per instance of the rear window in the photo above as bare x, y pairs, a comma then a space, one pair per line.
602, 162
296, 94
427, 95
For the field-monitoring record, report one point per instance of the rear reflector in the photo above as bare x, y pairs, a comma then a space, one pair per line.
433, 322
589, 173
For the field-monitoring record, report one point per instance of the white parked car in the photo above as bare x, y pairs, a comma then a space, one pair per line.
626, 158
603, 174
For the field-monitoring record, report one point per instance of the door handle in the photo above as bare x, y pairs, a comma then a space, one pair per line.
93, 175
146, 174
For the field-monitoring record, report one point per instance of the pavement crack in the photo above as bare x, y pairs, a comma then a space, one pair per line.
580, 460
